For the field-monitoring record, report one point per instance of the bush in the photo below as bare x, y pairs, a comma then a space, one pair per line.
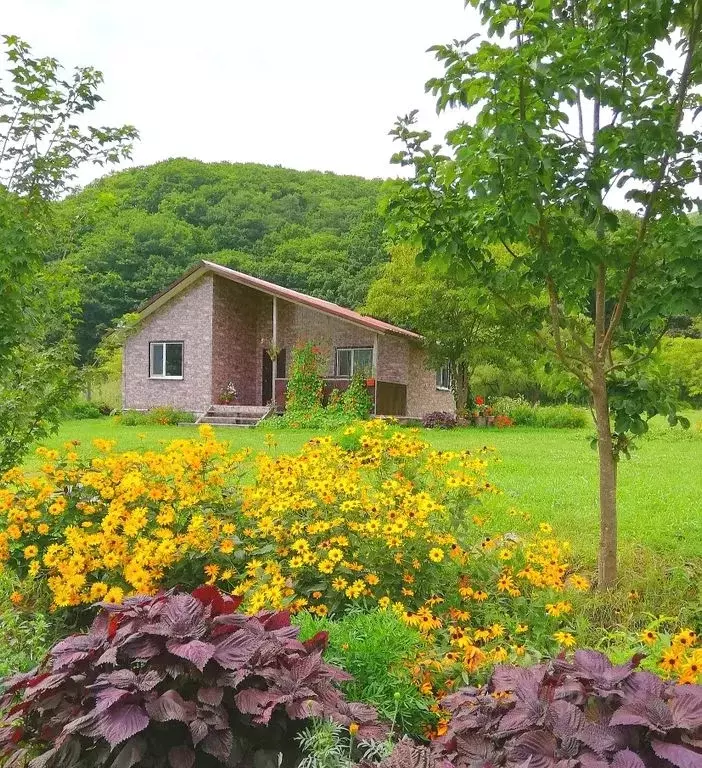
383, 521
585, 712
304, 399
163, 415
84, 410
176, 680
378, 650
524, 414
441, 419
24, 630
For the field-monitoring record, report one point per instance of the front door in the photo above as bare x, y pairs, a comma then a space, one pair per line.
266, 379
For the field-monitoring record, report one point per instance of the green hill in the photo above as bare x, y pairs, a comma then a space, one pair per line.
131, 233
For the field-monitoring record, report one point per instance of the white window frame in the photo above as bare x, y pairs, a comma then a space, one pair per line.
353, 351
439, 377
163, 345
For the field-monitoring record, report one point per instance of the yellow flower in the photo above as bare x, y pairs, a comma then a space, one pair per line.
114, 595
296, 562
520, 629
545, 528
226, 547
325, 566
16, 598
686, 637
649, 637
31, 552
335, 555
436, 554
564, 638
42, 529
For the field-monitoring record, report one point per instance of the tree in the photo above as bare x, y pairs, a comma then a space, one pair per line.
567, 102
460, 320
134, 232
41, 148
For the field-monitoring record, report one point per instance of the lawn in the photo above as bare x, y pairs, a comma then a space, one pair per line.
551, 473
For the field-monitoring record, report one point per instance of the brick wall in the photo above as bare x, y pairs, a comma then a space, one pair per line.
393, 359
422, 395
186, 318
236, 340
300, 324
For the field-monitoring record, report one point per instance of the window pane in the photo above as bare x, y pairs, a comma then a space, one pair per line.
343, 362
157, 359
174, 359
363, 362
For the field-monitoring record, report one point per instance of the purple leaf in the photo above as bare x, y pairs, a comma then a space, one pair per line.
198, 731
236, 650
627, 759
106, 697
171, 706
595, 666
680, 756
115, 725
536, 748
218, 744
212, 696
196, 651
130, 754
181, 757
686, 706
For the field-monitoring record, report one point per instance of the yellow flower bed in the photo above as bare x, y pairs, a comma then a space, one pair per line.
376, 518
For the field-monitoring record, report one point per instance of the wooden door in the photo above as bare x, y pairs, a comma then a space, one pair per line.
266, 379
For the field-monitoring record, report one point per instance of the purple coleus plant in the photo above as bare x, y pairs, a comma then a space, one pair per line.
175, 681
584, 713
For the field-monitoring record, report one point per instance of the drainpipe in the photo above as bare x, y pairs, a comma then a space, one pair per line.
375, 374
274, 363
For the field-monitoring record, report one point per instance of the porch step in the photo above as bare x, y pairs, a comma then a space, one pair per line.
234, 415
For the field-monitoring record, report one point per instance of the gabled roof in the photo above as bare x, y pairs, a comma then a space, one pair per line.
329, 308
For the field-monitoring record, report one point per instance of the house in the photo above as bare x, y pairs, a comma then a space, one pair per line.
214, 326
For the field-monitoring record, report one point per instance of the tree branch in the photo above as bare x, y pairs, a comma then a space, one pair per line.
681, 95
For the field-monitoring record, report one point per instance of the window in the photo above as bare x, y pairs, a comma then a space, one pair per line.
443, 377
166, 360
354, 361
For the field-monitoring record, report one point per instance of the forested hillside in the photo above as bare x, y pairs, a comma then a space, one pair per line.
132, 233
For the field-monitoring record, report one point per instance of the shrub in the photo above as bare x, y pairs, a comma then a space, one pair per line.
304, 400
305, 385
524, 414
163, 415
378, 649
176, 680
585, 712
24, 631
84, 410
441, 419
382, 521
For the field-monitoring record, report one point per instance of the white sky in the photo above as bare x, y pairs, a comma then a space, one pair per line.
307, 84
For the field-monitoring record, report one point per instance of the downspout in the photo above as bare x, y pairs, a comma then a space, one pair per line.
375, 374
274, 341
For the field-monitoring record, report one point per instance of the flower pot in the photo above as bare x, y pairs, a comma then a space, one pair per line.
481, 421
491, 421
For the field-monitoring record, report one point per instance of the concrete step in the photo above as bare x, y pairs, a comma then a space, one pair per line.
208, 419
238, 410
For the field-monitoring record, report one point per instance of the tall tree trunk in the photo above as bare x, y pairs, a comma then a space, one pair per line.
607, 561
460, 384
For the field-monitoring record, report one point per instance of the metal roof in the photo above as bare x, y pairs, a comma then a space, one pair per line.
328, 307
